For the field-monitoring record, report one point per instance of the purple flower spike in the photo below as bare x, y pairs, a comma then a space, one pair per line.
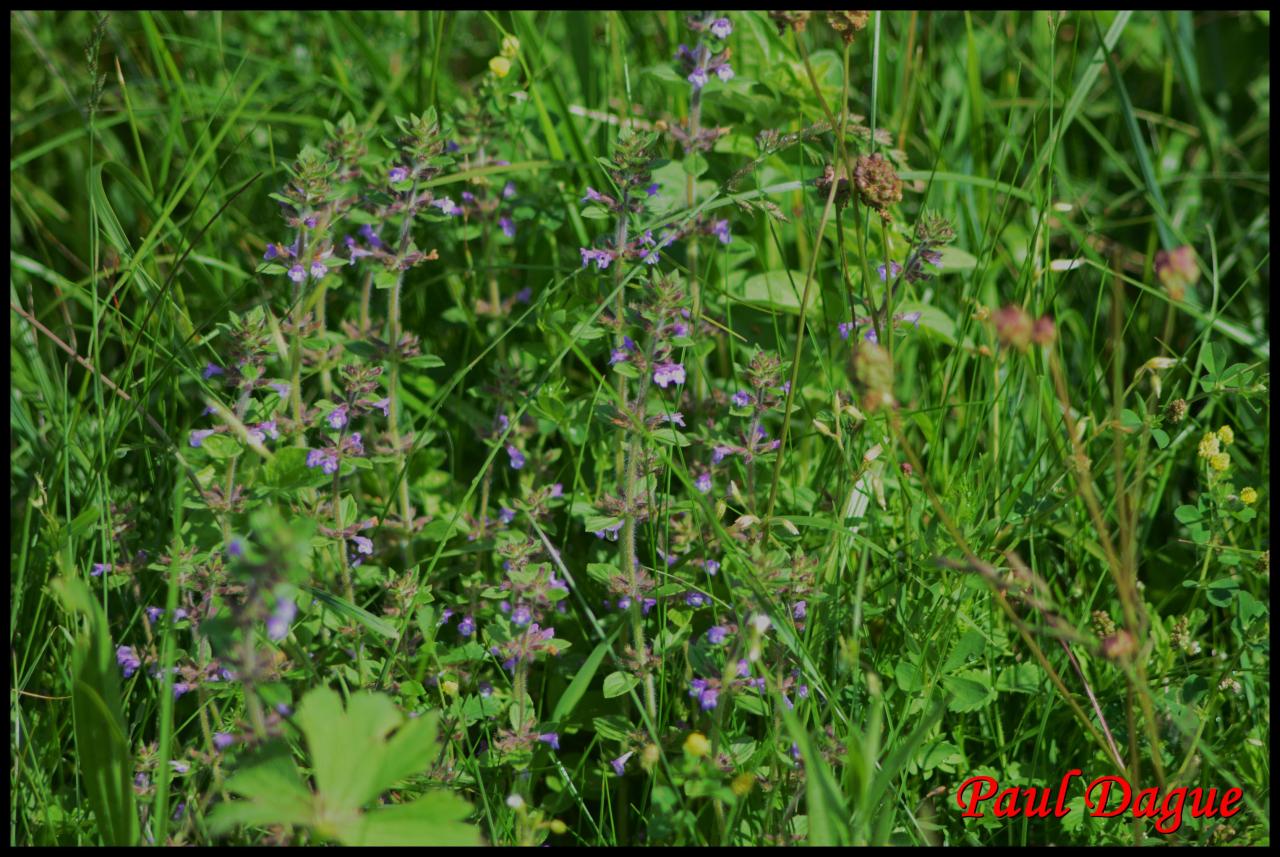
297, 273
128, 660
703, 482
798, 612
508, 226
211, 369
602, 258
551, 739
520, 616
397, 174
698, 78
516, 456
326, 459
721, 28
721, 230
467, 626
894, 270
668, 373
620, 764
278, 623
708, 698
338, 417
741, 399
716, 634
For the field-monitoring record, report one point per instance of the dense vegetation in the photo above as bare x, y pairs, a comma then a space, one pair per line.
598, 428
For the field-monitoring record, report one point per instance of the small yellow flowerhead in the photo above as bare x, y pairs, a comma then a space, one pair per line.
650, 756
510, 46
500, 66
449, 687
1209, 445
1248, 496
1220, 462
1226, 435
697, 745
742, 784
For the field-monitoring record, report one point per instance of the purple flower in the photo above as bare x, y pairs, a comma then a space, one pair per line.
179, 688
517, 457
741, 399
281, 388
297, 273
508, 226
99, 568
468, 197
795, 751
445, 615
668, 373
557, 490
647, 605
198, 435
551, 739
524, 295
716, 634
721, 28
712, 566
211, 369
262, 431
272, 252
364, 545
799, 611
397, 174
310, 223
278, 623
520, 616
610, 533
617, 355
447, 206
695, 599
384, 405
318, 270
323, 458
235, 548
128, 660
593, 195
337, 417
721, 230
933, 257
371, 236
846, 327
223, 740
698, 78
894, 270
718, 454
620, 763
703, 482
913, 317
467, 626
725, 73
674, 417
179, 614
652, 190
624, 602
870, 336
506, 515
602, 258
508, 190
154, 614
486, 689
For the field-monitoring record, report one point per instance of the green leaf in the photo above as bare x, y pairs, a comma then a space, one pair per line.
102, 748
275, 792
436, 819
287, 471
778, 291
969, 690
955, 260
347, 610
618, 683
1187, 514
573, 693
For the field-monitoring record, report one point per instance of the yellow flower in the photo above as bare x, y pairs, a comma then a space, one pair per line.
742, 784
1220, 461
501, 66
697, 745
1248, 496
557, 826
1209, 445
1226, 435
450, 687
510, 46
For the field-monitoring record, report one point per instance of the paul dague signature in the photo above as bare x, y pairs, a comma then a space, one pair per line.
1105, 797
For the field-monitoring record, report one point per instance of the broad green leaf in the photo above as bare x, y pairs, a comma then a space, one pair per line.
573, 693
618, 683
436, 819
